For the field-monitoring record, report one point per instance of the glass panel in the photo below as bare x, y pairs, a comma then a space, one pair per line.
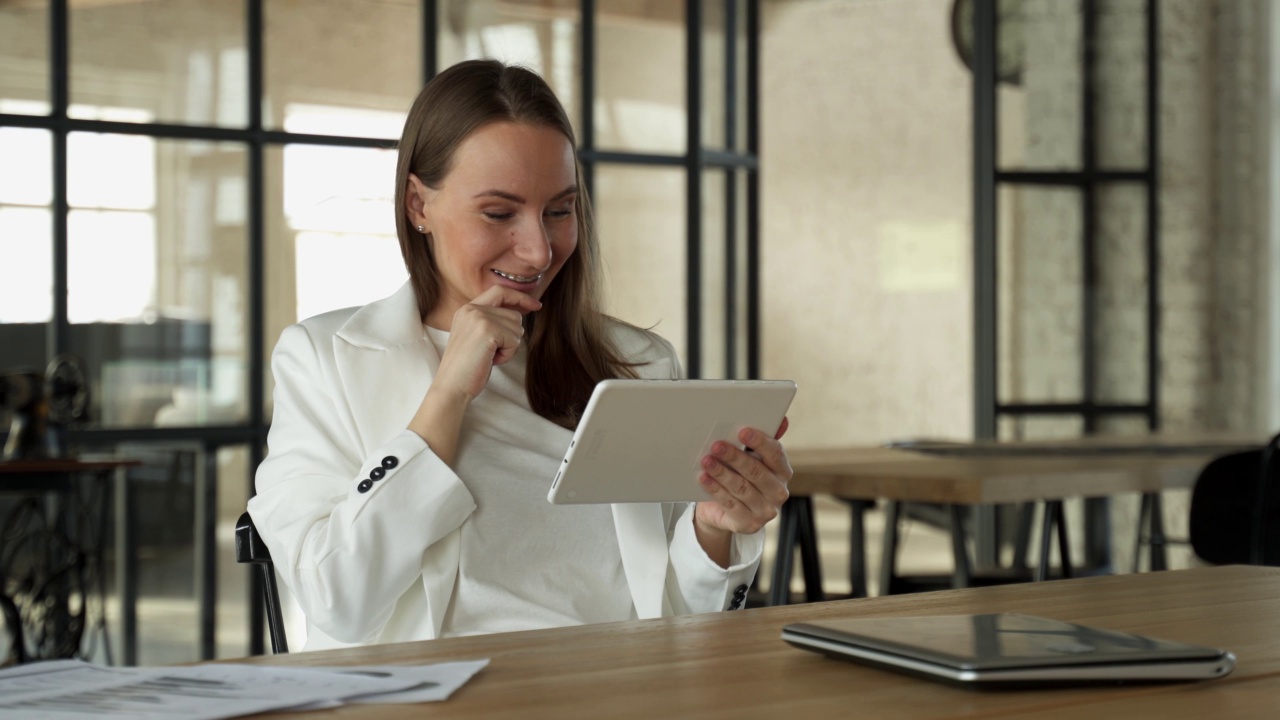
176, 61
1121, 84
1040, 99
740, 49
639, 106
866, 240
541, 35
714, 310
714, 69
157, 277
742, 273
1120, 323
354, 87
26, 243
640, 216
165, 489
331, 237
1039, 295
24, 58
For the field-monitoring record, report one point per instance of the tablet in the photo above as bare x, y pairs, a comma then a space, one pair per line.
643, 440
1007, 649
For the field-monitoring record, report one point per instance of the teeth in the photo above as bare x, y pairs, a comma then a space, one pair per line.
519, 278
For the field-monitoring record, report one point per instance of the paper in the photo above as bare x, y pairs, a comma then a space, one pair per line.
72, 689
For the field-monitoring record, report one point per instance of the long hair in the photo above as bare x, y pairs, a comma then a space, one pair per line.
569, 348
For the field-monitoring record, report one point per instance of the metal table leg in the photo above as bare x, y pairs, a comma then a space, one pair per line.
889, 550
780, 586
126, 570
809, 560
963, 575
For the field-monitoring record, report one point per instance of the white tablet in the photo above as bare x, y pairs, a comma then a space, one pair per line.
643, 440
1007, 649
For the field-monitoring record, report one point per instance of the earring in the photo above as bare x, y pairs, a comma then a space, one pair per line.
422, 229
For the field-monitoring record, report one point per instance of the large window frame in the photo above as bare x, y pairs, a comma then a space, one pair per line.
742, 356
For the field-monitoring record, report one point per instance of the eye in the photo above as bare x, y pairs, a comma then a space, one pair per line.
498, 216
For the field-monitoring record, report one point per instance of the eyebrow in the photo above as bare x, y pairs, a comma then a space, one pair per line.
572, 189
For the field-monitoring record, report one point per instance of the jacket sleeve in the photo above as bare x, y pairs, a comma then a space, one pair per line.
701, 584
347, 529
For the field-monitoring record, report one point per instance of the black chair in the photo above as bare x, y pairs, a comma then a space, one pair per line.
1235, 508
251, 549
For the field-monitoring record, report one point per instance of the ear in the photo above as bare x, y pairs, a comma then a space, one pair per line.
417, 203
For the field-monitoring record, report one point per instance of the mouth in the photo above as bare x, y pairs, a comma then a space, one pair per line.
526, 279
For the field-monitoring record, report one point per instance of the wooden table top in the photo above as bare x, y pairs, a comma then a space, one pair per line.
734, 664
1086, 467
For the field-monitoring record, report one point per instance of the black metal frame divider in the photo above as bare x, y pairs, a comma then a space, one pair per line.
987, 176
255, 137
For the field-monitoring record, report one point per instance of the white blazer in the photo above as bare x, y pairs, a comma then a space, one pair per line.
379, 565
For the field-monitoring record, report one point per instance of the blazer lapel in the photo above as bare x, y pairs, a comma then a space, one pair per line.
385, 364
642, 541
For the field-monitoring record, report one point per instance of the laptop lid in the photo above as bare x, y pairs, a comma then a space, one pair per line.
1003, 648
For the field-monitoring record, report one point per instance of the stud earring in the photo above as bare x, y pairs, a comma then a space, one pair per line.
422, 229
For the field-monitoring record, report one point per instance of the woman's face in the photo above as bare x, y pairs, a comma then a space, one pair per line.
505, 214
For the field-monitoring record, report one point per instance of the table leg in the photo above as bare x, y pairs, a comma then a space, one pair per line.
809, 560
1144, 513
889, 550
126, 570
858, 549
205, 544
1064, 547
1046, 540
780, 586
963, 576
1155, 534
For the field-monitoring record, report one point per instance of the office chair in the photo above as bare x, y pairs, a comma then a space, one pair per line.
251, 549
1235, 508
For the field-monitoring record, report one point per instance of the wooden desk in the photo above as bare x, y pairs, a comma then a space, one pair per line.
734, 664
988, 473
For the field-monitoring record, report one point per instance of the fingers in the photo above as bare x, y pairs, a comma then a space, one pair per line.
782, 429
769, 449
505, 297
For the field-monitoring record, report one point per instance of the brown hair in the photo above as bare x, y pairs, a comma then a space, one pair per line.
569, 348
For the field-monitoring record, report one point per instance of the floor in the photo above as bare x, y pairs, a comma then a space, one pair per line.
167, 612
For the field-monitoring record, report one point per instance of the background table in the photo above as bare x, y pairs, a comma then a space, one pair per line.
734, 664
60, 478
974, 474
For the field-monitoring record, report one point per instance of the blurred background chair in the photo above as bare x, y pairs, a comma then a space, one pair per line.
1235, 508
251, 549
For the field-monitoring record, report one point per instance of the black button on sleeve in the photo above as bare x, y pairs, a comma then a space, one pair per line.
364, 485
377, 473
740, 590
389, 462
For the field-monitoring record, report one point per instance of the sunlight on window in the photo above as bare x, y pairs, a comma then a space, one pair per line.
111, 266
111, 171
25, 168
15, 106
339, 189
513, 43
26, 272
333, 120
341, 270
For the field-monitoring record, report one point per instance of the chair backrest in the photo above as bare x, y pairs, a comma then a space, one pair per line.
251, 549
1235, 508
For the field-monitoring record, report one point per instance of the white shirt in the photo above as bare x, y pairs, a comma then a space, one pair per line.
579, 577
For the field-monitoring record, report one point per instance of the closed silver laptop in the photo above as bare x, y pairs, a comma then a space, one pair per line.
1007, 649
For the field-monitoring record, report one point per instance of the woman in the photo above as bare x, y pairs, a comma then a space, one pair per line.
413, 439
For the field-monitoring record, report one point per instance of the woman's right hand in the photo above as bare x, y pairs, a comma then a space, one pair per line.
485, 332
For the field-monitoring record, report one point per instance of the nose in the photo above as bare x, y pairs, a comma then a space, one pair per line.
533, 246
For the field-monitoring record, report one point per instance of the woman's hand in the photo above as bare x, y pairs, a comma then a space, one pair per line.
747, 488
485, 332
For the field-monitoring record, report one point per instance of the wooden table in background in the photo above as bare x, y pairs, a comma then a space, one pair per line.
734, 664
970, 474
58, 476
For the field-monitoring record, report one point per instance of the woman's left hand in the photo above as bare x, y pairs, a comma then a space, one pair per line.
747, 488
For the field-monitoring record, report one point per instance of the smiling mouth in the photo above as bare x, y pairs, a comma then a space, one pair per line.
519, 278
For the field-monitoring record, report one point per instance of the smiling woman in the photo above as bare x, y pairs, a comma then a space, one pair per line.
414, 438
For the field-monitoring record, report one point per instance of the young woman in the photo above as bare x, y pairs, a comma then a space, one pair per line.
413, 439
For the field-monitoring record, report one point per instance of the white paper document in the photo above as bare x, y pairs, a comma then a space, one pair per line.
71, 689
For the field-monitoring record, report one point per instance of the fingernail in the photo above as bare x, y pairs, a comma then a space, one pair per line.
748, 435
719, 448
708, 462
706, 481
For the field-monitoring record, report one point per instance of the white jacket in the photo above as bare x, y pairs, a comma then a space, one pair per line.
379, 566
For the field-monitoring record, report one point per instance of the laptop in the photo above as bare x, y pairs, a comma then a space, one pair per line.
1006, 649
